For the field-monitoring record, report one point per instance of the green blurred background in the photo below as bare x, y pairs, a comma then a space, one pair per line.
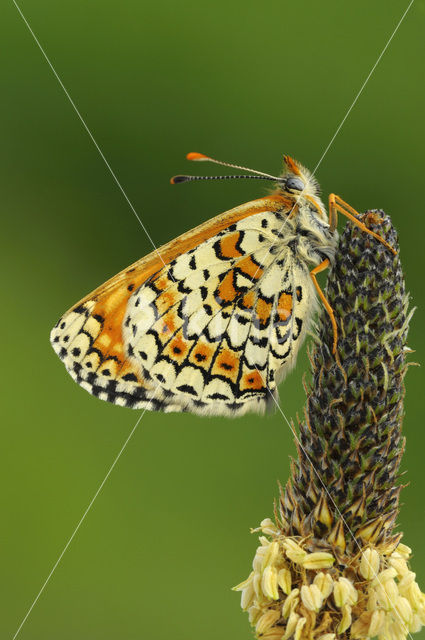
245, 81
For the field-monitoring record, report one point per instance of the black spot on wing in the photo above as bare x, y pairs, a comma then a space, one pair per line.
187, 388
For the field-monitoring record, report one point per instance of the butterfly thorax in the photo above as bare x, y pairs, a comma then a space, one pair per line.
306, 231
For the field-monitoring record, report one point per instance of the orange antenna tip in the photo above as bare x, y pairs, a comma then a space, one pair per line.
193, 155
178, 179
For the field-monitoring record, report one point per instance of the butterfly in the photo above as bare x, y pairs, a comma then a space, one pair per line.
211, 322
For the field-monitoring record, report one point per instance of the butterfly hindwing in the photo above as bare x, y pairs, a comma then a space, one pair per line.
206, 332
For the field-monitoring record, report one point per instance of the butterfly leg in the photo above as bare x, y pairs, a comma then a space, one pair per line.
336, 204
321, 267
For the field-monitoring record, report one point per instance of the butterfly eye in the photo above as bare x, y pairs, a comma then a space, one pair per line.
294, 184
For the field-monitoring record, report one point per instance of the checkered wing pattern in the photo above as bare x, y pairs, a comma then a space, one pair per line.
211, 332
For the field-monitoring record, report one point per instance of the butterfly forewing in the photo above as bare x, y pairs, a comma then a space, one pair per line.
208, 332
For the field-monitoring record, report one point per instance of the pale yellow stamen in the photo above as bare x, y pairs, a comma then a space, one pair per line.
271, 554
294, 551
247, 596
385, 575
404, 550
387, 594
346, 619
377, 623
341, 593
376, 593
404, 610
257, 585
254, 613
369, 564
269, 583
291, 625
268, 527
290, 603
244, 584
267, 620
285, 580
312, 597
400, 565
318, 560
298, 629
352, 595
325, 583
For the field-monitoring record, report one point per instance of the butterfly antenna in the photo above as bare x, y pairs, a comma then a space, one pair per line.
178, 179
201, 157
193, 155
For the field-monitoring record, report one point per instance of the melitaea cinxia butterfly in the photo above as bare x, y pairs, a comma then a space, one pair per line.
212, 321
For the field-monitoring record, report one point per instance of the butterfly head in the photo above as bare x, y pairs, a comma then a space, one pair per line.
296, 180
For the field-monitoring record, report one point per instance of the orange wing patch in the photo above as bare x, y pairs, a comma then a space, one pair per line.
108, 340
228, 246
252, 381
226, 290
284, 307
248, 300
167, 326
165, 300
202, 354
177, 349
250, 268
263, 311
162, 282
227, 365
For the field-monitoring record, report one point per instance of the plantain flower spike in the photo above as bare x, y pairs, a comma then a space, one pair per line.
330, 565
